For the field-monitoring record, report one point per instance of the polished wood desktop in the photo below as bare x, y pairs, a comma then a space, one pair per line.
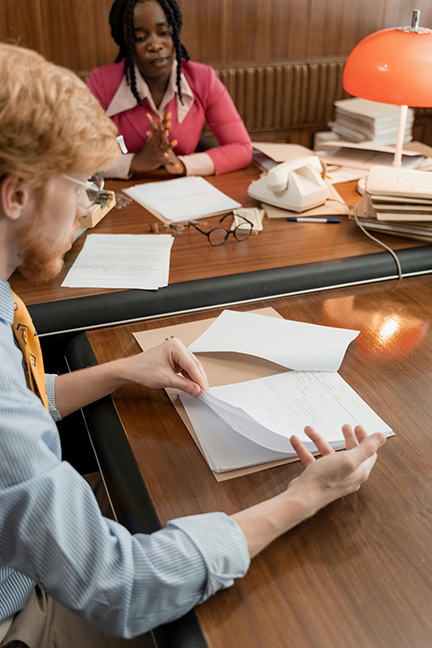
359, 573
280, 244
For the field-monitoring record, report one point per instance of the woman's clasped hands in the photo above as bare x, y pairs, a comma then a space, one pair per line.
158, 149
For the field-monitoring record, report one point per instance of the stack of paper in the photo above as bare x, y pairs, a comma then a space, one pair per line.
122, 261
182, 199
251, 422
359, 120
242, 426
398, 202
365, 155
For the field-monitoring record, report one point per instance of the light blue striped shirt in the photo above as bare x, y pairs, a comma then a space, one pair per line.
52, 532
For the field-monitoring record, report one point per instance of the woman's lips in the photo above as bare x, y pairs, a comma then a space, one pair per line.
159, 61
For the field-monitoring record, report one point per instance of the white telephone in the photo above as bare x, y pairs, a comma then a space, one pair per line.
296, 185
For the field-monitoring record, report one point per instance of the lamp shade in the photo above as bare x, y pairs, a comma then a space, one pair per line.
392, 66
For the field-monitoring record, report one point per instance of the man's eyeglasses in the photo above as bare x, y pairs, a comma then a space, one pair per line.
88, 190
218, 235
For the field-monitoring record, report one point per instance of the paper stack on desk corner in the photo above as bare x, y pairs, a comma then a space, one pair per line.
398, 203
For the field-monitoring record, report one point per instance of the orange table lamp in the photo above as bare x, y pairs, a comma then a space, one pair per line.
393, 66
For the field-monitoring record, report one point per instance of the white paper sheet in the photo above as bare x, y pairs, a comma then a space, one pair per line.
281, 152
295, 345
223, 447
250, 423
122, 261
182, 199
336, 174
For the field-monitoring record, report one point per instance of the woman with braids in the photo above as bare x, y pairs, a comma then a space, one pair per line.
160, 100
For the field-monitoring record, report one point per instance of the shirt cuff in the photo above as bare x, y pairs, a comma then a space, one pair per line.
222, 545
198, 164
49, 384
121, 169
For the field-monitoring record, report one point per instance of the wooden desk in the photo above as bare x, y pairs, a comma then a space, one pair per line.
359, 573
280, 244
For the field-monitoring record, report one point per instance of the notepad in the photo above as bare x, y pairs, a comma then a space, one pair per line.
182, 199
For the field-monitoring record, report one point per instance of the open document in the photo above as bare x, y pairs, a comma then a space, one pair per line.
255, 403
251, 423
122, 261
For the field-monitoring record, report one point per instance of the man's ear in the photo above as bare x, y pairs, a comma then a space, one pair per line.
14, 196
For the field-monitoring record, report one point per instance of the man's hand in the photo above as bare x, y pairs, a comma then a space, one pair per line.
335, 474
170, 364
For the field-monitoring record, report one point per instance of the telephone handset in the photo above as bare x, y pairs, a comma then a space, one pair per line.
296, 185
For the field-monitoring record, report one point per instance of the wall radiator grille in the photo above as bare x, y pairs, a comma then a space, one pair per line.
292, 95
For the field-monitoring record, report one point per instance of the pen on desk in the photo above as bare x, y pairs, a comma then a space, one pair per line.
313, 220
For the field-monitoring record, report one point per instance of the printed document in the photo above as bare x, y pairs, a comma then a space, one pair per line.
122, 261
251, 423
182, 199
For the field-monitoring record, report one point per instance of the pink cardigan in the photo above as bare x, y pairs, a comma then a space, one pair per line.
205, 99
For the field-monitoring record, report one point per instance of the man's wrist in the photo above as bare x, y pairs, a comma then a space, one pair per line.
266, 521
292, 507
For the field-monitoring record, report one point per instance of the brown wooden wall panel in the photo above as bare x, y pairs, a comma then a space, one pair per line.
77, 33
204, 24
399, 12
336, 26
266, 31
21, 22
282, 60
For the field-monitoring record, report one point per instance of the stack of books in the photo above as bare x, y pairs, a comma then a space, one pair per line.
398, 202
359, 120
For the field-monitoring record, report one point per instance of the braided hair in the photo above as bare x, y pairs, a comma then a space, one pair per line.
122, 31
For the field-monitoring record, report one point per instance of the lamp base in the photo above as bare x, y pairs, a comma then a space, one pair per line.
361, 186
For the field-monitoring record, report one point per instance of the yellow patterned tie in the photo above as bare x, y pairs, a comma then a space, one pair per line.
27, 340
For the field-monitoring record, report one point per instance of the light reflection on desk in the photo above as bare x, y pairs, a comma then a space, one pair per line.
387, 333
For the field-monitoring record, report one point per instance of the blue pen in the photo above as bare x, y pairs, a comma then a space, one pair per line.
313, 220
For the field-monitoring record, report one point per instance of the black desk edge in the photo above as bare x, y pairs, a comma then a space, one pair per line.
81, 313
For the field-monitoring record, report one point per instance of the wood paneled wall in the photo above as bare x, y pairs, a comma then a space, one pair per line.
75, 33
222, 33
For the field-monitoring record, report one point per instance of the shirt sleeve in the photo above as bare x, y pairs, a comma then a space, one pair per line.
198, 164
53, 532
49, 384
121, 169
235, 147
